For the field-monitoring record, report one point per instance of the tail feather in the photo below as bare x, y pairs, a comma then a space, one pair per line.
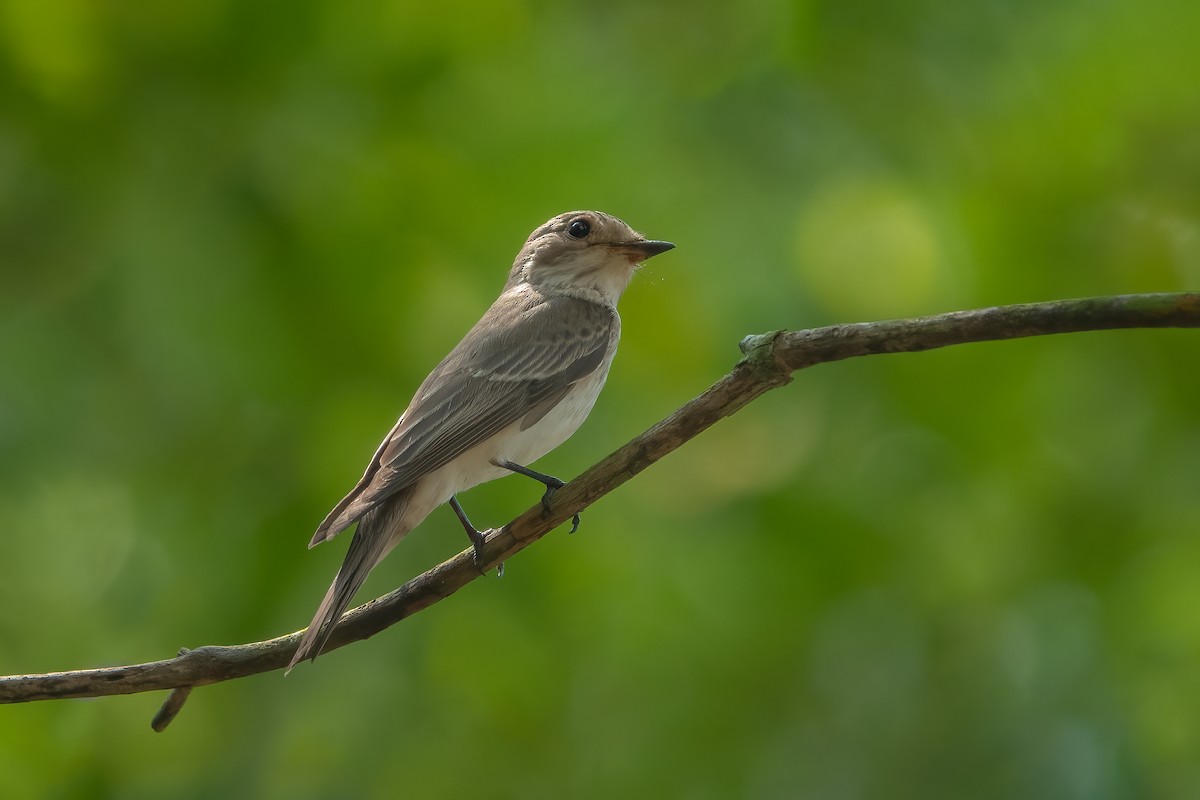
353, 506
378, 530
360, 500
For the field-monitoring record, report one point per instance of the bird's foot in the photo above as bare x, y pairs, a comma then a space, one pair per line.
478, 538
551, 483
552, 486
477, 542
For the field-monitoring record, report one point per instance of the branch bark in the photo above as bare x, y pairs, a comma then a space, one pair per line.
769, 361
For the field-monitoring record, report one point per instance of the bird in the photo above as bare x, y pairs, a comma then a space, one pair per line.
518, 385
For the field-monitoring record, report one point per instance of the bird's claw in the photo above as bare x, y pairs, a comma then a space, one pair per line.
477, 542
551, 488
477, 546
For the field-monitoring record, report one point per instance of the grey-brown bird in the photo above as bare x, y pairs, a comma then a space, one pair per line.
517, 386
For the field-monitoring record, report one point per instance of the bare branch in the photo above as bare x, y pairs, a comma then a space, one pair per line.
770, 359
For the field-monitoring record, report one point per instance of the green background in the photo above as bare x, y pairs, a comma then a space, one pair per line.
234, 236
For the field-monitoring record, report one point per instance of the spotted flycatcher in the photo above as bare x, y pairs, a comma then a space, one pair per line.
516, 387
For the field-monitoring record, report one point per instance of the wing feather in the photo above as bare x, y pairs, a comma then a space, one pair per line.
517, 362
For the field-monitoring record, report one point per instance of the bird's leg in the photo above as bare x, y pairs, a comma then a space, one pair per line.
474, 535
551, 483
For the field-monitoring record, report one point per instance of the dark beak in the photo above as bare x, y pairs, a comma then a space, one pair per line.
646, 248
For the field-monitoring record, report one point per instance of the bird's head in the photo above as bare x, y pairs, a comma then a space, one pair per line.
583, 250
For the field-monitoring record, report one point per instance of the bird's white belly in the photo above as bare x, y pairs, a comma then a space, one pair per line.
526, 446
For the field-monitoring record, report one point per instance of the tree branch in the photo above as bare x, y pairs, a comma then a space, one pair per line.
770, 359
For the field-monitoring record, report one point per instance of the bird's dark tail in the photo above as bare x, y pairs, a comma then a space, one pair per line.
378, 530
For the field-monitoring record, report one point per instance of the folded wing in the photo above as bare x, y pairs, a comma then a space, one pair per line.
518, 361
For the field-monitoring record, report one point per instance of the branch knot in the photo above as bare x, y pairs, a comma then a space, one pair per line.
760, 354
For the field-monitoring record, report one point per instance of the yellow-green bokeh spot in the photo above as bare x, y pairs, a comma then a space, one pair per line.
868, 247
54, 46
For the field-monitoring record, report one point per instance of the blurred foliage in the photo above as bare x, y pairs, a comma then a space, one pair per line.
234, 236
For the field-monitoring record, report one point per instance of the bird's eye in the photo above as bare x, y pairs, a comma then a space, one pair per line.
579, 228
